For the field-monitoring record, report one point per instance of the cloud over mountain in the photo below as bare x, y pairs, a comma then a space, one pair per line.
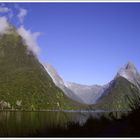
30, 39
22, 13
4, 9
4, 26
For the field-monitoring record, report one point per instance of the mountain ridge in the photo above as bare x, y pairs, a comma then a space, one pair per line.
26, 84
90, 94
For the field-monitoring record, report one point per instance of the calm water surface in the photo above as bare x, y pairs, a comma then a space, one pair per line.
19, 124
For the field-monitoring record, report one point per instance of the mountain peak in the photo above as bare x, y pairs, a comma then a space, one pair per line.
130, 65
127, 69
130, 73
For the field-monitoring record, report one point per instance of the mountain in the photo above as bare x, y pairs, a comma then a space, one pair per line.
89, 94
118, 94
60, 83
121, 95
123, 91
24, 82
81, 93
130, 73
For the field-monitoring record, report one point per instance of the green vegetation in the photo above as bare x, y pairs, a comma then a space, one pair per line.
24, 83
120, 97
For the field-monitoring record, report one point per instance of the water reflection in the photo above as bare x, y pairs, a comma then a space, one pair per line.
32, 123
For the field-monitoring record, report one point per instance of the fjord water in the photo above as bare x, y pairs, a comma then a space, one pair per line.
47, 123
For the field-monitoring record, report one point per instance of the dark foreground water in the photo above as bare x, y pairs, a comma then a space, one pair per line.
57, 124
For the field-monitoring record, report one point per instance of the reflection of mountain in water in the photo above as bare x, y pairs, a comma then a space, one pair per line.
29, 123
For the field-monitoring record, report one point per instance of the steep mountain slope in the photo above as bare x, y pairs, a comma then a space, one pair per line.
82, 93
60, 83
24, 83
123, 91
119, 96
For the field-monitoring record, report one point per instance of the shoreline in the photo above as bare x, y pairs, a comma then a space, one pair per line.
68, 111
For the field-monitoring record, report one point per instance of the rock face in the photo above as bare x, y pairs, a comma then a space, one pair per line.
60, 83
130, 73
118, 94
24, 83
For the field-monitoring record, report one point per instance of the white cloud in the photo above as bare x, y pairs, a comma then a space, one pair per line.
4, 10
22, 14
30, 39
4, 26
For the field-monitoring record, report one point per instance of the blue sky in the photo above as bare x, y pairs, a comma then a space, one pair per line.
86, 42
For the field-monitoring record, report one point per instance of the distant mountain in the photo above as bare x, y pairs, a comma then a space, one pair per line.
24, 83
82, 93
119, 94
87, 94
